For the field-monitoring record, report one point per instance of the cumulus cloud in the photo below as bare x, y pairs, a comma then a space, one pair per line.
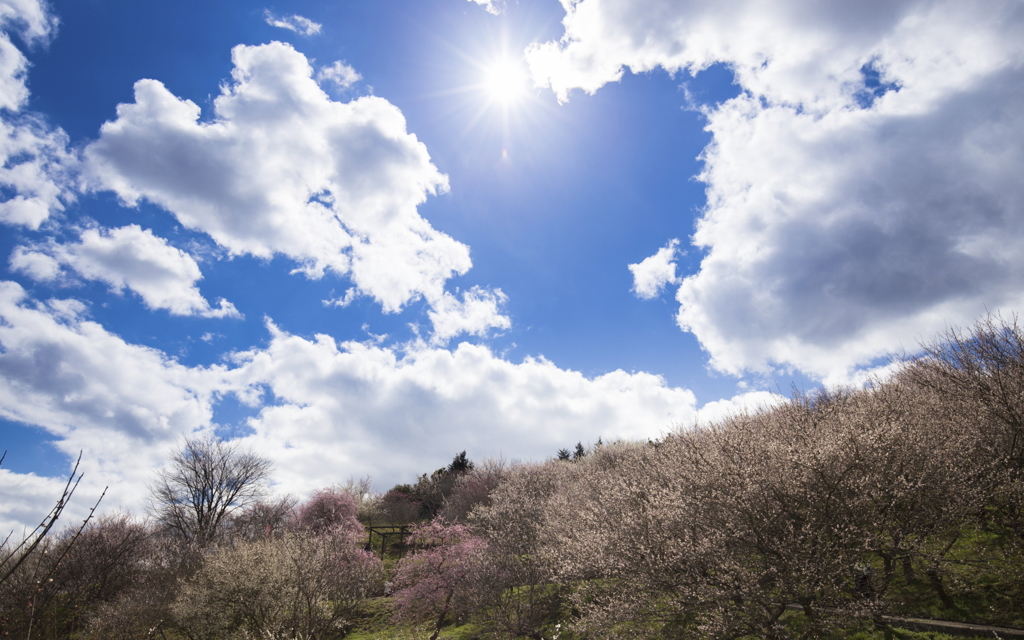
492, 6
342, 405
33, 22
861, 189
338, 73
749, 402
35, 164
129, 257
870, 231
295, 23
476, 314
338, 409
123, 405
283, 169
69, 375
25, 498
652, 274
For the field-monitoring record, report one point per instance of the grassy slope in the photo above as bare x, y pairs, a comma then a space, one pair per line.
980, 595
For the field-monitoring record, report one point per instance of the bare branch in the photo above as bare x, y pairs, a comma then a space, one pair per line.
29, 543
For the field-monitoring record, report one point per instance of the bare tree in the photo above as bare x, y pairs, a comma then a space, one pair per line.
73, 574
12, 558
206, 481
29, 564
368, 501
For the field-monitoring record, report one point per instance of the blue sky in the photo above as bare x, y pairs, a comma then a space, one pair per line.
342, 234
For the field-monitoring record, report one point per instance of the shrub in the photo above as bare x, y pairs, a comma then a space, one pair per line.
298, 586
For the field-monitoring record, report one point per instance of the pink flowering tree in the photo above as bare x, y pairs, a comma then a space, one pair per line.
441, 580
328, 511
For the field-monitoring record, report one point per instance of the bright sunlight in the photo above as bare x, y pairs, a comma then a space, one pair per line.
505, 81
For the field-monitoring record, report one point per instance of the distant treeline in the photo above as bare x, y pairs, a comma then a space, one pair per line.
793, 521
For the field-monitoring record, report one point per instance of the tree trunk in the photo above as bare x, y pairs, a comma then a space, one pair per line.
936, 581
440, 618
908, 569
888, 569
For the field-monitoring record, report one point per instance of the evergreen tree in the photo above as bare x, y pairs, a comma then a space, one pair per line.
460, 464
580, 451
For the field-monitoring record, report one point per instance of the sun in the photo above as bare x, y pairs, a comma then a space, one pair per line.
505, 81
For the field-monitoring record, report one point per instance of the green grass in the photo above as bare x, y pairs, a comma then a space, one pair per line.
373, 622
978, 575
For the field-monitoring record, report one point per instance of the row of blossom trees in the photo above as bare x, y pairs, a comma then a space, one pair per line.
841, 505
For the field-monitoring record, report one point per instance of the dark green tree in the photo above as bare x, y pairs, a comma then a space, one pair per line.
579, 452
460, 464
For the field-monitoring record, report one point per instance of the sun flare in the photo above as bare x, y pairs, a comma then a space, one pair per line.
505, 81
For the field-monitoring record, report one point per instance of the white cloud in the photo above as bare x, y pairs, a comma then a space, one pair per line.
344, 300
492, 6
35, 165
845, 237
476, 314
652, 274
31, 20
339, 409
38, 265
123, 405
295, 23
339, 73
862, 190
354, 408
794, 52
750, 402
283, 169
70, 376
24, 499
128, 257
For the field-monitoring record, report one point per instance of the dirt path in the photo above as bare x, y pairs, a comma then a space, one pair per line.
953, 628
